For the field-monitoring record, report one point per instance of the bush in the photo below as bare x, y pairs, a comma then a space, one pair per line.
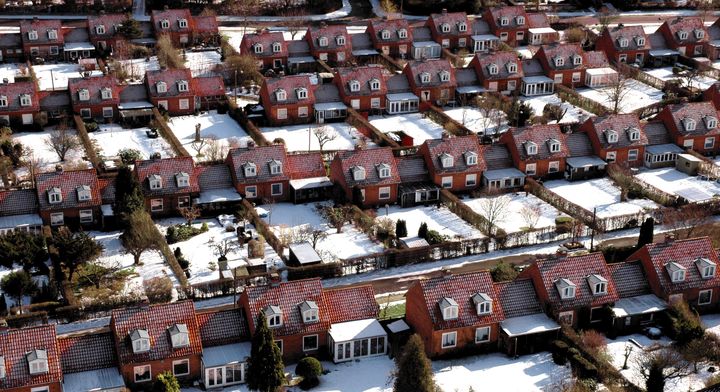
91, 126
559, 352
401, 228
684, 324
310, 370
563, 224
159, 290
433, 237
182, 232
128, 156
593, 340
503, 272
423, 230
256, 248
184, 263
583, 367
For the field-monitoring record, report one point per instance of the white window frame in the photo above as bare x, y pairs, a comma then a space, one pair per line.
570, 315
446, 182
86, 216
184, 104
165, 24
375, 103
678, 276
3, 101
303, 111
32, 35
384, 193
275, 320
477, 330
317, 343
178, 362
106, 93
251, 191
156, 205
182, 23
471, 179
108, 112
302, 93
531, 169
633, 155
135, 374
40, 389
709, 143
282, 113
554, 167
161, 87
700, 294
280, 344
25, 100
85, 113
447, 342
272, 189
611, 156
57, 219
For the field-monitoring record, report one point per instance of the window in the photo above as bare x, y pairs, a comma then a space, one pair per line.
503, 36
611, 136
250, 169
633, 155
183, 86
340, 40
471, 180
86, 216
447, 182
708, 272
577, 59
425, 77
275, 320
84, 94
182, 23
622, 58
275, 167
682, 35
678, 276
251, 192
107, 112
576, 77
504, 21
445, 28
483, 303
3, 101
470, 158
100, 29
302, 111
40, 389
181, 367
258, 48
276, 189
688, 143
302, 93
554, 145
54, 196
444, 76
34, 51
449, 339
402, 33
280, 95
554, 167
492, 69
374, 85
32, 35
276, 47
2, 367
699, 34
25, 100
183, 201
385, 34
559, 61
57, 219
512, 68
155, 182
709, 142
610, 156
165, 24
358, 173
633, 134
354, 86
142, 373
106, 93
600, 288
705, 297
384, 193
161, 87
282, 113
446, 160
383, 170
375, 103
182, 179
156, 205
710, 122
310, 342
52, 34
640, 41
323, 41
482, 335
530, 148
531, 169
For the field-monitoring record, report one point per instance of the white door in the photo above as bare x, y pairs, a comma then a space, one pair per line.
320, 116
425, 95
27, 118
343, 351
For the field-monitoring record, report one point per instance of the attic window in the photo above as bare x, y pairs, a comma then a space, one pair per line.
25, 100
462, 27
354, 86
84, 94
640, 41
512, 68
425, 77
559, 61
553, 145
448, 308
444, 76
182, 179
445, 28
179, 336
633, 134
155, 182
32, 35
83, 193
54, 195
323, 41
706, 267
383, 170
598, 284
52, 34
276, 47
446, 160
182, 23
250, 169
161, 87
471, 158
492, 69
100, 29
483, 303
274, 316
374, 85
385, 34
182, 85
280, 95
3, 101
676, 272
530, 148
699, 34
566, 288
165, 24
140, 340
358, 173
520, 20
402, 33
689, 124
2, 367
504, 21
37, 361
301, 93
275, 167
106, 93
710, 122
310, 312
258, 48
682, 35
577, 59
623, 42
611, 136
340, 40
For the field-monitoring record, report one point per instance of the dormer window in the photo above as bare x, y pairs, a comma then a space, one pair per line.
512, 68
250, 169
492, 69
598, 284
559, 61
706, 267
323, 41
553, 145
182, 85
273, 314
164, 24
710, 122
611, 136
310, 312
689, 124
504, 21
25, 100
161, 87
3, 101
354, 86
179, 336
530, 148
462, 27
682, 35
425, 77
445, 28
182, 23
448, 308
640, 41
446, 160
54, 195
140, 340
301, 93
699, 34
633, 134
182, 179
358, 173
483, 303
52, 34
676, 272
276, 47
275, 167
106, 93
374, 85
83, 193
402, 33
566, 288
444, 76
623, 42
84, 94
32, 35
520, 20
100, 29
340, 40
383, 170
471, 158
3, 373
577, 59
280, 95
385, 34
258, 48
37, 362
155, 181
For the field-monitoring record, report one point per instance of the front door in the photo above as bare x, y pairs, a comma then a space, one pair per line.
425, 95
343, 351
320, 116
535, 40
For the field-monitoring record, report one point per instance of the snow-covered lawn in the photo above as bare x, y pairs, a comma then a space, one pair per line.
666, 73
45, 157
573, 114
518, 206
440, 219
637, 95
202, 63
136, 68
414, 125
711, 322
235, 34
220, 127
600, 193
8, 71
673, 181
476, 121
26, 300
111, 138
286, 219
297, 137
53, 77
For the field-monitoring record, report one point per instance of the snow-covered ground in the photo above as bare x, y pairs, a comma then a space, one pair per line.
26, 300
8, 71
637, 95
220, 127
573, 114
414, 125
235, 34
286, 219
519, 206
202, 63
53, 77
297, 137
673, 181
111, 138
43, 155
477, 121
440, 219
666, 73
600, 193
136, 68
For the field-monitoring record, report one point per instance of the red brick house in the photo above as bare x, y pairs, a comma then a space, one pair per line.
362, 88
89, 361
171, 89
102, 30
682, 270
432, 80
260, 172
206, 30
288, 99
510, 24
537, 150
693, 125
168, 184
454, 313
329, 43
95, 97
153, 339
712, 94
637, 306
209, 92
686, 34
177, 23
454, 163
574, 289
42, 38
69, 198
498, 71
392, 36
451, 30
563, 63
539, 30
617, 138
306, 319
369, 177
624, 44
268, 47
19, 103
30, 360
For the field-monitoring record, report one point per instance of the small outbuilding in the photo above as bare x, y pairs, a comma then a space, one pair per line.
302, 254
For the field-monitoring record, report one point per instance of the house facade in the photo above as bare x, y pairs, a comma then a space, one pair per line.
168, 184
362, 88
499, 71
452, 30
42, 38
368, 177
102, 30
617, 138
693, 125
95, 97
30, 360
624, 44
509, 23
288, 99
685, 34
267, 47
432, 80
454, 163
19, 103
171, 89
391, 36
260, 172
178, 24
537, 150
69, 198
329, 43
563, 63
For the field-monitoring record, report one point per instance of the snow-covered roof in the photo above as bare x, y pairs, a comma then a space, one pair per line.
542, 30
470, 89
365, 52
425, 44
689, 157
485, 37
301, 60
530, 324
601, 71
402, 97
310, 183
134, 105
223, 355
663, 52
218, 195
358, 329
415, 242
537, 79
398, 326
70, 46
587, 161
693, 194
13, 221
107, 210
330, 106
641, 304
94, 380
663, 149
500, 174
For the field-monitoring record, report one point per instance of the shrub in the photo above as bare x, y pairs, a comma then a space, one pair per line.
433, 237
683, 324
593, 340
182, 232
401, 228
310, 370
159, 290
256, 248
423, 230
559, 352
563, 224
91, 126
503, 272
583, 367
128, 156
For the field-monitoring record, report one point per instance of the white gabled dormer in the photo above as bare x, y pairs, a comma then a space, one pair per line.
32, 35
706, 267
161, 87
682, 35
179, 336
310, 312
566, 288
512, 67
3, 372
358, 173
492, 69
354, 86
520, 20
611, 135
710, 122
52, 34
530, 148
250, 169
444, 76
274, 316
301, 93
383, 170
340, 40
689, 124
258, 48
446, 160
323, 42
504, 21
577, 59
559, 61
182, 180
84, 94
106, 93
448, 308
25, 100
374, 84
164, 24
155, 181
140, 340
3, 101
598, 284
462, 27
182, 86
83, 193
553, 145
100, 29
182, 23
640, 41
483, 303
424, 77
280, 95
676, 272
276, 47
633, 134
37, 362
275, 167
54, 195
699, 34
402, 33
385, 34
445, 28
471, 158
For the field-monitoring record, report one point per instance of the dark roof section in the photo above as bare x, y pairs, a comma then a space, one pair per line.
87, 352
630, 279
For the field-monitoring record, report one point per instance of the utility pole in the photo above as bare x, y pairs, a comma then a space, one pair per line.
592, 229
236, 90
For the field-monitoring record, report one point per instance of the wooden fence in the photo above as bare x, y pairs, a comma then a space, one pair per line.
449, 124
168, 134
363, 126
572, 96
92, 155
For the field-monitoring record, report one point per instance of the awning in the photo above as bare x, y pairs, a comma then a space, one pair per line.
301, 60
353, 330
501, 174
330, 106
528, 325
310, 183
425, 44
642, 304
72, 46
470, 90
136, 113
93, 380
668, 148
586, 161
144, 41
485, 37
663, 52
536, 79
218, 196
542, 30
107, 210
135, 105
402, 97
24, 220
365, 52
225, 355
398, 326
601, 71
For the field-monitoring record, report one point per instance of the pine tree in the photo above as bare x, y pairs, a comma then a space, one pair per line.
128, 195
266, 371
423, 230
646, 232
3, 305
656, 379
140, 236
401, 229
413, 370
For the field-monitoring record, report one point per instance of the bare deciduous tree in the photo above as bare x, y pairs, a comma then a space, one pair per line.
685, 221
494, 207
336, 216
62, 141
294, 20
657, 365
616, 92
606, 18
216, 149
223, 247
198, 145
324, 135
189, 214
313, 235
531, 215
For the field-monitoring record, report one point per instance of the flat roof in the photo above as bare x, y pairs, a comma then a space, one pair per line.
542, 30
690, 157
398, 326
135, 105
401, 97
485, 37
601, 71
537, 79
358, 329
527, 325
586, 161
311, 183
218, 195
693, 194
470, 89
70, 46
93, 380
301, 59
330, 106
664, 149
305, 253
425, 44
365, 52
663, 52
642, 304
13, 221
227, 354
500, 174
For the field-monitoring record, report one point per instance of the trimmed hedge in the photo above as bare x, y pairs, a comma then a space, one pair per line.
168, 134
559, 351
27, 319
323, 270
238, 115
356, 120
92, 155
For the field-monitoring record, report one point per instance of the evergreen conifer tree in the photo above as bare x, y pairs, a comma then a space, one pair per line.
413, 370
128, 195
266, 371
423, 230
401, 228
646, 232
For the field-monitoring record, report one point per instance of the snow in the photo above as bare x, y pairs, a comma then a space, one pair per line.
53, 77
202, 63
573, 114
44, 155
297, 137
440, 219
516, 209
8, 71
414, 125
477, 121
111, 138
285, 219
605, 197
101, 322
235, 34
357, 329
671, 181
711, 322
221, 127
636, 95
666, 73
339, 13
26, 300
136, 68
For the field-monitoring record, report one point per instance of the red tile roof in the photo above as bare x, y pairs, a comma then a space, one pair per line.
684, 23
353, 303
540, 135
206, 24
433, 67
290, 84
87, 352
595, 59
368, 159
630, 33
537, 20
94, 85
331, 32
566, 51
210, 86
518, 298
16, 343
68, 182
213, 176
167, 169
621, 124
261, 156
458, 148
171, 77
109, 21
376, 26
172, 16
481, 62
510, 12
683, 252
42, 27
363, 75
629, 278
18, 202
697, 111
222, 327
266, 39
156, 320
451, 18
13, 91
306, 165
